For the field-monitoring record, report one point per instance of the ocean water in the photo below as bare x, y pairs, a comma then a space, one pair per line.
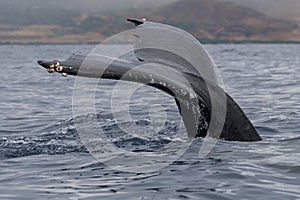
43, 157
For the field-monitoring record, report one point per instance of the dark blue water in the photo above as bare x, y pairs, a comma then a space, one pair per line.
42, 156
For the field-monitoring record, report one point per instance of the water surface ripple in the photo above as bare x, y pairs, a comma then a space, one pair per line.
42, 156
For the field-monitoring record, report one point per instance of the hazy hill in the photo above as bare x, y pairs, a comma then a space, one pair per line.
43, 21
275, 8
63, 12
215, 20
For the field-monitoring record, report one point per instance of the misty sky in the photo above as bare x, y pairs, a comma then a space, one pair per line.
90, 5
95, 5
272, 7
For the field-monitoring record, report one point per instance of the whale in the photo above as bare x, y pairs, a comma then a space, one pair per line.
207, 110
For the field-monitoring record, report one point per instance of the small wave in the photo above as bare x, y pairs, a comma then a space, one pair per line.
62, 137
58, 142
266, 129
291, 140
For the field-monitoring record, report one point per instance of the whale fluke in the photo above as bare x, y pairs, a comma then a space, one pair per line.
166, 69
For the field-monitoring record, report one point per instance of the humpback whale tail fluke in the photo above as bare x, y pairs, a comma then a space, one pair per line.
176, 63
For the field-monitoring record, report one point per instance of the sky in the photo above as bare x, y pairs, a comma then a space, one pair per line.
95, 5
272, 7
90, 5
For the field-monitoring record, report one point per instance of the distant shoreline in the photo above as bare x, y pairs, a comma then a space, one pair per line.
201, 41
